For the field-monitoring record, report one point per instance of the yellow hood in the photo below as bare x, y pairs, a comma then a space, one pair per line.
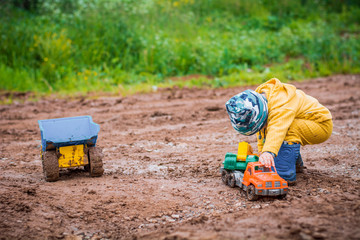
277, 93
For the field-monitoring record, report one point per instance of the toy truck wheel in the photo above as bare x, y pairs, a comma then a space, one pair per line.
96, 164
250, 193
281, 196
50, 166
231, 180
224, 176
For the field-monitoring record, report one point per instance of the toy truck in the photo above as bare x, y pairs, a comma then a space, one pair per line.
70, 142
244, 170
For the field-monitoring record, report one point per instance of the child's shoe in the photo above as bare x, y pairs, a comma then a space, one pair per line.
285, 161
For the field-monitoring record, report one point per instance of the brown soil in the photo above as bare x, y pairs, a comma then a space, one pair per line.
162, 154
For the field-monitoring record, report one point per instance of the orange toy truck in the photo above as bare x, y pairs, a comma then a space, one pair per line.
259, 180
256, 179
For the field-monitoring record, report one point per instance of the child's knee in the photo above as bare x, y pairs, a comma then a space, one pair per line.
309, 132
327, 127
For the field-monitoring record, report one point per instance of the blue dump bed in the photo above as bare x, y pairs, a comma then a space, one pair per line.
61, 132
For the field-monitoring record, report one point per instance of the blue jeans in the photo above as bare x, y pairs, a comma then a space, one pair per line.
286, 160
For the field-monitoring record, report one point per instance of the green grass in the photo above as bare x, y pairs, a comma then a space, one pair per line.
127, 46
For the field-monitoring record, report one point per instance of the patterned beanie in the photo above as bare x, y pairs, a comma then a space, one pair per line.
248, 112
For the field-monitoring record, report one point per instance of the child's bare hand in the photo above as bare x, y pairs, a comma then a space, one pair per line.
267, 159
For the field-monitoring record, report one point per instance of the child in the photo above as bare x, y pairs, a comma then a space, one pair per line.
283, 118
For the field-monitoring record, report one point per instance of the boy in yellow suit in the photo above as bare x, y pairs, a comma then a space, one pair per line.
283, 118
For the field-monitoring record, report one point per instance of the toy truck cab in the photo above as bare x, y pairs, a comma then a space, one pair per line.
259, 180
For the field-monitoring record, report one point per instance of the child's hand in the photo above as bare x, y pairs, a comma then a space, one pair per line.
267, 159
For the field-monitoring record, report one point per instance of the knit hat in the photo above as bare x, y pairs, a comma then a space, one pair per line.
248, 112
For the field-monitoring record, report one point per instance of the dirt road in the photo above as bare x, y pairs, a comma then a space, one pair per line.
162, 154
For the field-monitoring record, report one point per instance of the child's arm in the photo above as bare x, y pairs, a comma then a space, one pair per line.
278, 126
260, 142
266, 158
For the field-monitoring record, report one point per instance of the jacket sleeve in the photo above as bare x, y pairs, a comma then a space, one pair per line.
260, 143
278, 126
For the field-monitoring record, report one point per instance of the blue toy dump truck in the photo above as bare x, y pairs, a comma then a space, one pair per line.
70, 142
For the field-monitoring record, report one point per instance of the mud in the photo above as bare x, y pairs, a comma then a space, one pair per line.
162, 154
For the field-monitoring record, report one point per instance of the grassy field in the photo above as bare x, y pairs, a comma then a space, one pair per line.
128, 46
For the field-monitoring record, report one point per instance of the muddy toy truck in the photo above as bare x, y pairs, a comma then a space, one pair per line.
244, 170
70, 142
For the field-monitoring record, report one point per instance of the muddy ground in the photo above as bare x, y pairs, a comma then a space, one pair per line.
162, 154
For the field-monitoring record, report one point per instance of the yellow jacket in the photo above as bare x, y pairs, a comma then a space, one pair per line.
286, 103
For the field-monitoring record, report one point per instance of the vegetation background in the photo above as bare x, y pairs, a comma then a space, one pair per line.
127, 46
